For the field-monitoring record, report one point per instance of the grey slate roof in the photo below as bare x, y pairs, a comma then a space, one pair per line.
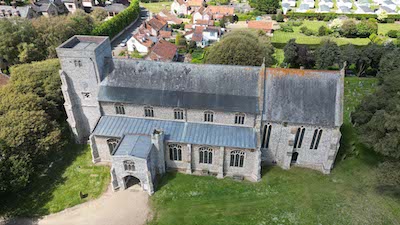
345, 9
23, 10
304, 6
324, 8
387, 9
182, 132
301, 96
213, 87
134, 145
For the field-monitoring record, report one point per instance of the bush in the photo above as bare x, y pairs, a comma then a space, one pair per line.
309, 32
392, 33
367, 27
322, 31
279, 16
116, 24
303, 29
389, 20
286, 28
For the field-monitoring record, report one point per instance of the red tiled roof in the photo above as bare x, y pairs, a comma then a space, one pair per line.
188, 26
157, 23
205, 22
261, 25
165, 34
198, 34
219, 9
4, 79
171, 17
195, 2
163, 51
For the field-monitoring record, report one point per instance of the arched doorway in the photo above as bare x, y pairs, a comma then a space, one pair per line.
131, 181
295, 155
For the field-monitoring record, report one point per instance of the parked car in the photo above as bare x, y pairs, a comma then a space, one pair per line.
123, 43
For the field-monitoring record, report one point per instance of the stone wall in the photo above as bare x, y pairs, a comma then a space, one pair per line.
281, 147
190, 115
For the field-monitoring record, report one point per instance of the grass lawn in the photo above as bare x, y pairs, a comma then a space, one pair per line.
279, 56
198, 56
58, 189
383, 28
156, 7
283, 37
295, 196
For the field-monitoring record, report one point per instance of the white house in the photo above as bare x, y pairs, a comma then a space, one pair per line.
346, 3
386, 9
310, 3
364, 9
389, 4
323, 9
303, 7
292, 3
328, 3
343, 9
179, 7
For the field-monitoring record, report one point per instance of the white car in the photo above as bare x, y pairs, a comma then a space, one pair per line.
123, 43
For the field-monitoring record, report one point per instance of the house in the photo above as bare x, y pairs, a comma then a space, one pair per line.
389, 4
346, 3
165, 34
324, 8
386, 9
144, 118
186, 7
155, 25
363, 2
115, 8
242, 7
310, 3
73, 5
285, 8
49, 7
219, 12
261, 25
163, 51
203, 14
189, 27
364, 9
211, 34
26, 12
88, 3
142, 41
196, 35
4, 79
343, 9
303, 7
291, 3
328, 3
169, 17
204, 23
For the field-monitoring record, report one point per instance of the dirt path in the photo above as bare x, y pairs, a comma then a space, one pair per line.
129, 207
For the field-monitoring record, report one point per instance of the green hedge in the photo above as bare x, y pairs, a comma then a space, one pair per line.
116, 24
322, 16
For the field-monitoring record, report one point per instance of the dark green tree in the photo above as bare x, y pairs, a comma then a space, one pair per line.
327, 55
266, 6
241, 48
291, 53
349, 28
367, 27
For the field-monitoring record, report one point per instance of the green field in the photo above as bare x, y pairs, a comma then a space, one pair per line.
383, 28
57, 189
296, 196
281, 37
156, 7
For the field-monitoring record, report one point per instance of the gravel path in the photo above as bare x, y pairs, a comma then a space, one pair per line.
128, 207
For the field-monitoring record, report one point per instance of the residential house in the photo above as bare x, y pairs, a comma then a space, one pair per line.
389, 4
328, 3
343, 9
291, 3
49, 7
243, 7
165, 34
88, 4
267, 27
211, 34
203, 13
219, 12
115, 8
386, 9
155, 25
189, 27
310, 3
364, 9
171, 19
285, 8
163, 51
26, 12
303, 7
346, 3
204, 23
186, 7
196, 35
324, 9
142, 41
73, 5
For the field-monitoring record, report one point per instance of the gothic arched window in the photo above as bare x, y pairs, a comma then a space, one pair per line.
205, 155
175, 152
237, 158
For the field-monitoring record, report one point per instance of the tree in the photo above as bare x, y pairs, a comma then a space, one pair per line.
241, 48
99, 14
350, 55
305, 58
28, 120
349, 28
291, 53
382, 16
267, 6
327, 55
279, 16
322, 31
18, 35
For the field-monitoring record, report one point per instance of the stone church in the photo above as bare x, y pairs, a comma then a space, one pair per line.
144, 118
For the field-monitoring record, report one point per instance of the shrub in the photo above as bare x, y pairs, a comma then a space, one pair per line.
309, 32
322, 31
297, 23
392, 33
279, 16
349, 28
116, 24
286, 28
367, 27
303, 29
390, 20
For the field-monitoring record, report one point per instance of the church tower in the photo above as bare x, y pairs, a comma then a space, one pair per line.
83, 59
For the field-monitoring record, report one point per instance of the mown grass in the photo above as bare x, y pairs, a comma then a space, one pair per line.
281, 37
383, 28
71, 172
156, 7
295, 196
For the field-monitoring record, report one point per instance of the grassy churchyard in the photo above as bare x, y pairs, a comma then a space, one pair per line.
297, 196
71, 172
